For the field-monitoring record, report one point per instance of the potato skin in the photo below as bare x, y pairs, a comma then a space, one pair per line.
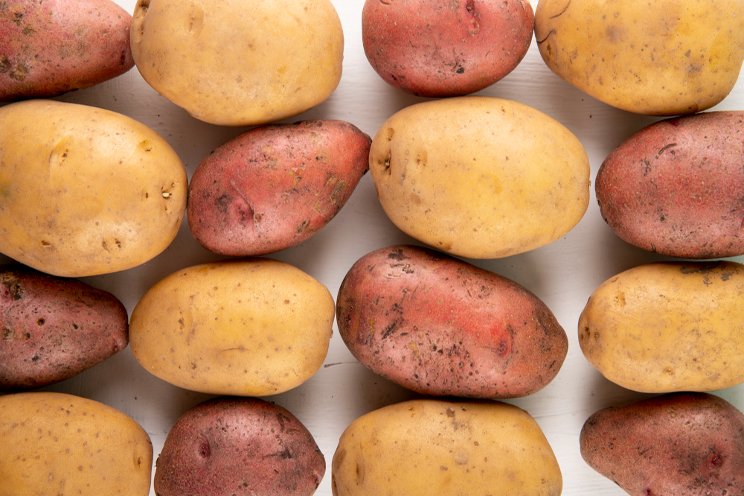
239, 446
427, 447
438, 49
274, 187
51, 47
686, 444
658, 58
440, 326
479, 177
666, 327
677, 187
113, 191
225, 64
252, 327
54, 328
55, 443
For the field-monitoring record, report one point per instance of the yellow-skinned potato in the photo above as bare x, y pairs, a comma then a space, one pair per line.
55, 443
430, 447
664, 57
239, 62
479, 177
667, 327
85, 191
249, 328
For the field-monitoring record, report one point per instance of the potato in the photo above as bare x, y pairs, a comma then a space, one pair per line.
274, 187
85, 191
239, 446
659, 58
445, 48
440, 326
666, 327
239, 62
685, 444
55, 443
54, 328
479, 177
426, 447
49, 48
250, 327
677, 187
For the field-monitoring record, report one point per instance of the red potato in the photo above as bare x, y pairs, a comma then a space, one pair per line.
239, 447
677, 187
54, 328
274, 187
51, 47
440, 326
682, 444
445, 48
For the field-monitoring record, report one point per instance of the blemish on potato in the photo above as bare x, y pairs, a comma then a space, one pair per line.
620, 299
359, 471
5, 64
302, 227
665, 148
338, 192
14, 288
145, 145
204, 449
196, 20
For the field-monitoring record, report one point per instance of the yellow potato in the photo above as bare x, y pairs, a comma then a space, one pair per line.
480, 177
60, 444
239, 62
430, 447
251, 328
85, 191
668, 327
663, 57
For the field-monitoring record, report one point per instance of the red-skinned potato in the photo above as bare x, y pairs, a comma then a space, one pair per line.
54, 328
274, 187
676, 187
445, 48
239, 447
51, 47
682, 444
440, 326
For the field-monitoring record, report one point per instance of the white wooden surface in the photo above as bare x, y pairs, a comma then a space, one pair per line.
563, 274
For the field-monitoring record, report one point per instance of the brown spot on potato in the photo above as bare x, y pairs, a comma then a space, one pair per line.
19, 72
13, 287
5, 64
664, 148
196, 20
